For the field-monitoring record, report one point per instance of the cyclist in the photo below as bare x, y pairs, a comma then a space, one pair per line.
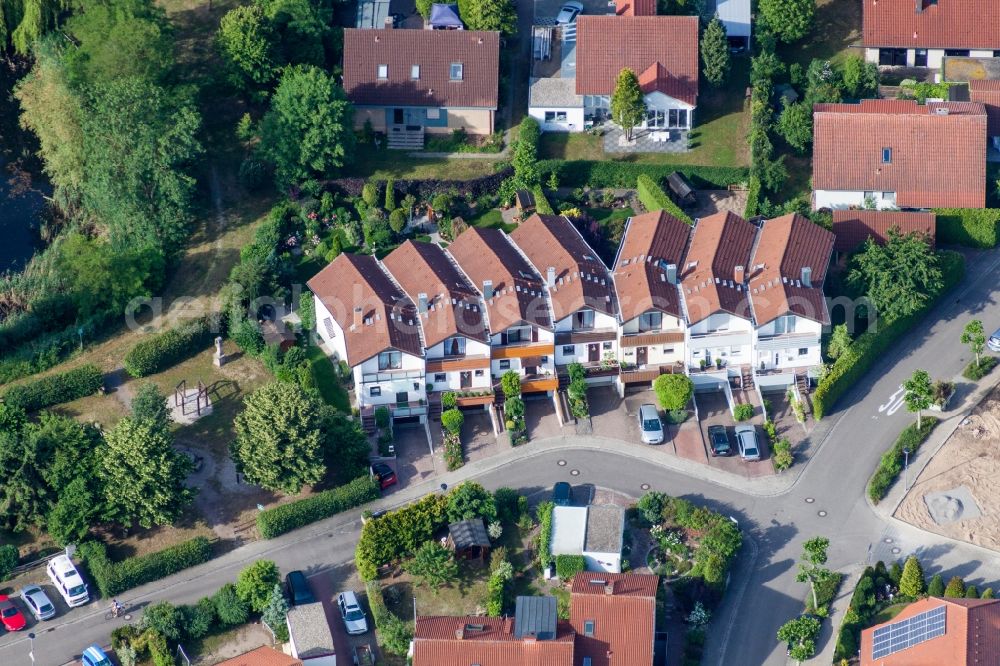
116, 608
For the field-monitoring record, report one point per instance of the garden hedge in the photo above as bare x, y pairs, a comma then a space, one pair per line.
165, 349
113, 578
652, 196
612, 173
287, 517
568, 566
398, 534
972, 227
425, 189
542, 205
891, 463
394, 634
871, 345
544, 512
56, 389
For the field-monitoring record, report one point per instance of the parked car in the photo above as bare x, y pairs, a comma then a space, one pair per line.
95, 656
650, 425
562, 494
384, 475
38, 603
67, 580
569, 11
11, 615
746, 440
718, 441
298, 588
994, 341
353, 615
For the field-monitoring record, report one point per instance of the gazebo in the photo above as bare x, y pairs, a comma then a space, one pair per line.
469, 539
445, 17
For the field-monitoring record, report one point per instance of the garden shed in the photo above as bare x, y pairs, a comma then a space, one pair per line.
469, 539
524, 202
681, 189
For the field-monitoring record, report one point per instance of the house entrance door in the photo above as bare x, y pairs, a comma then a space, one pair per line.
641, 355
397, 117
465, 379
594, 352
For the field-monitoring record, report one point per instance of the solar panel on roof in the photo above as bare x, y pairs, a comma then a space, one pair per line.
904, 634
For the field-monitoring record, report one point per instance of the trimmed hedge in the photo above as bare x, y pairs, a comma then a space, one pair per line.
568, 566
542, 205
652, 196
611, 173
287, 517
56, 389
976, 371
891, 463
113, 578
544, 512
394, 634
871, 345
161, 351
972, 227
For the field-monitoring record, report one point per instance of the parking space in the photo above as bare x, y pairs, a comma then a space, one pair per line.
478, 439
540, 416
549, 9
714, 410
414, 461
325, 587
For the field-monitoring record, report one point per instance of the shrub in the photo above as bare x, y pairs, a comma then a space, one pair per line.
382, 417
230, 609
166, 619
510, 382
568, 566
577, 392
955, 588
55, 389
976, 371
453, 455
972, 227
200, 618
743, 411
113, 578
287, 517
781, 455
398, 534
542, 205
619, 174
652, 196
248, 337
449, 400
165, 349
452, 420
544, 513
673, 392
508, 502
8, 560
255, 582
394, 634
891, 463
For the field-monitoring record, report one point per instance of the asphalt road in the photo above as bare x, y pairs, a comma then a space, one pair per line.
828, 499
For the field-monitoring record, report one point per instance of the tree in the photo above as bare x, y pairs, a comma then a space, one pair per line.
424, 8
470, 500
800, 633
811, 569
971, 592
397, 220
715, 59
303, 31
149, 404
246, 42
9, 557
232, 610
25, 498
955, 588
345, 445
911, 583
452, 420
23, 22
673, 391
276, 611
788, 20
510, 383
525, 155
840, 341
492, 15
896, 573
899, 277
70, 519
987, 593
143, 475
823, 83
278, 439
975, 337
919, 392
307, 133
860, 78
165, 618
434, 565
795, 124
628, 108
936, 587
255, 583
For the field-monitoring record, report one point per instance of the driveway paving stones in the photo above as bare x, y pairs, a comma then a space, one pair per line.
540, 417
414, 462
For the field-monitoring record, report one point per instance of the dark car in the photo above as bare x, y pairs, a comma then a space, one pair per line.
298, 588
562, 494
384, 475
719, 441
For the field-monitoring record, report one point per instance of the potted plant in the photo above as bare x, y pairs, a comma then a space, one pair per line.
943, 391
718, 363
702, 363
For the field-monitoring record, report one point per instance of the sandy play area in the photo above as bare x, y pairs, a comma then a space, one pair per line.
958, 493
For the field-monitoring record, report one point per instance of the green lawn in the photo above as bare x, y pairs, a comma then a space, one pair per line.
887, 613
605, 216
370, 163
838, 26
328, 381
491, 219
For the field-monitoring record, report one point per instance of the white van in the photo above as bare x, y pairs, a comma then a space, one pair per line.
68, 581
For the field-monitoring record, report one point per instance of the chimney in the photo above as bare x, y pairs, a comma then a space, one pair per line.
487, 289
807, 275
422, 303
551, 277
357, 317
389, 24
460, 633
738, 274
671, 273
941, 110
609, 588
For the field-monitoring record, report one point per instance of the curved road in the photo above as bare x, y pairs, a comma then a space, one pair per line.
763, 592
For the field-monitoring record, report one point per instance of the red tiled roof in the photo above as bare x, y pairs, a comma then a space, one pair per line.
624, 620
262, 656
388, 317
582, 279
434, 51
651, 241
785, 246
436, 643
951, 24
608, 44
453, 306
635, 7
987, 92
938, 159
487, 254
854, 227
719, 244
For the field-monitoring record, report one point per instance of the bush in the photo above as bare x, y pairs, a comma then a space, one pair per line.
453, 456
398, 534
508, 503
544, 513
976, 371
781, 455
255, 582
394, 634
673, 392
113, 578
248, 337
55, 389
891, 463
972, 227
568, 566
229, 608
743, 411
200, 618
165, 349
653, 197
452, 420
287, 517
449, 400
165, 618
8, 560
619, 174
542, 205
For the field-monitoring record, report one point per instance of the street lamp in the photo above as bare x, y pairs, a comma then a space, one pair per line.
906, 470
31, 651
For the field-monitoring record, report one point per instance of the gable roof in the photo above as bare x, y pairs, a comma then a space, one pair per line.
651, 241
388, 317
434, 51
785, 246
488, 641
622, 608
987, 92
581, 278
719, 243
953, 24
853, 227
635, 7
938, 155
469, 534
262, 656
518, 296
608, 44
453, 305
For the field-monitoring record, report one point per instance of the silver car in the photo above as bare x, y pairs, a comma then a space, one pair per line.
38, 602
569, 11
650, 425
746, 440
994, 341
352, 613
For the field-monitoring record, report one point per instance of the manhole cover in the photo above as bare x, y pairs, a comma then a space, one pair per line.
896, 550
810, 500
821, 514
574, 472
887, 539
127, 617
645, 486
561, 463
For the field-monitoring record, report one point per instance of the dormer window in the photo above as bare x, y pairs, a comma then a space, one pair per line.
383, 72
415, 72
455, 71
887, 156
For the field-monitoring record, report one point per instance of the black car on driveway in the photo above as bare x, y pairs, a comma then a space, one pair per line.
718, 441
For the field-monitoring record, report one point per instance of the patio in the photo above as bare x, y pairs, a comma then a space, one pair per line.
645, 140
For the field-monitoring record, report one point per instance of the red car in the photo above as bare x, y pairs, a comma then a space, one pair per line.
13, 619
384, 475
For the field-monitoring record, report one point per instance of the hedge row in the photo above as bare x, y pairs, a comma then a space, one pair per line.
544, 512
871, 345
113, 578
652, 196
580, 173
55, 389
394, 634
287, 517
891, 463
425, 189
47, 350
398, 534
165, 349
972, 227
542, 205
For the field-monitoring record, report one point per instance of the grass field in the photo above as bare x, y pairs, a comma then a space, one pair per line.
328, 381
370, 163
837, 29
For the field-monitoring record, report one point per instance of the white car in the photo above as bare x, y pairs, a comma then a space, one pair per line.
746, 441
650, 425
569, 11
68, 581
38, 603
994, 341
352, 613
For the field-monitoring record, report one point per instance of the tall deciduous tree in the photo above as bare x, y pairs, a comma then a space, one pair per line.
345, 445
255, 583
860, 78
800, 634
246, 42
788, 20
899, 277
975, 337
70, 519
919, 392
25, 498
143, 475
795, 124
811, 568
492, 15
470, 500
715, 59
278, 439
628, 109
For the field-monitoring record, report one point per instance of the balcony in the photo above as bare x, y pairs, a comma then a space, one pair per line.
457, 363
586, 336
649, 338
648, 373
466, 398
593, 370
390, 376
524, 350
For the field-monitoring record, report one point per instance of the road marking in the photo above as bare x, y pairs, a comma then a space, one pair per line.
895, 401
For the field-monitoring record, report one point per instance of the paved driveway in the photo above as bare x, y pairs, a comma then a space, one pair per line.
414, 462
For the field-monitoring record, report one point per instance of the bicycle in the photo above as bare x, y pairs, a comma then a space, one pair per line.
122, 613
